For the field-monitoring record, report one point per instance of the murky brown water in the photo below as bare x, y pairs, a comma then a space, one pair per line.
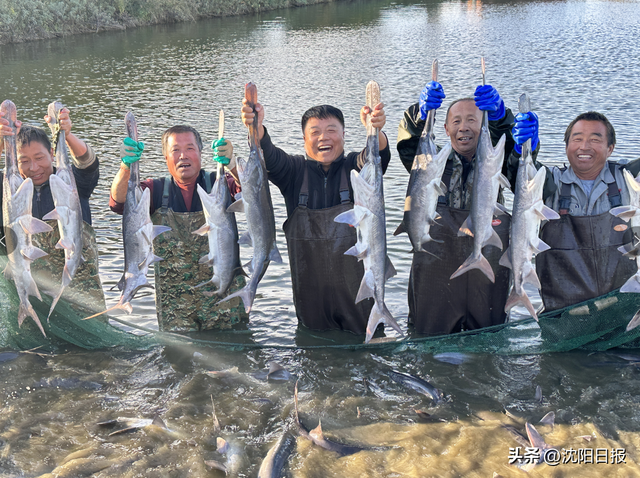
569, 57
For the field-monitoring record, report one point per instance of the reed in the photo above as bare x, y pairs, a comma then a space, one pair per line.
23, 20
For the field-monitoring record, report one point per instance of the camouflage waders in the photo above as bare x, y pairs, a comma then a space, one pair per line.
84, 293
182, 307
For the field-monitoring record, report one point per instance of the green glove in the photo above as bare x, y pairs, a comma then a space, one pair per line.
219, 147
131, 150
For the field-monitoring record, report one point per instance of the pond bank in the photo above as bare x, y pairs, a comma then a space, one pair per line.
27, 20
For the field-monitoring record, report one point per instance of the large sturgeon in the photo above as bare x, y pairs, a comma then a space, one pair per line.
487, 179
221, 229
528, 211
19, 224
68, 211
256, 204
368, 217
425, 183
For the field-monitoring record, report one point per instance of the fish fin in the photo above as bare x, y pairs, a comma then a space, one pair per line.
548, 419
380, 315
274, 255
7, 272
236, 206
505, 260
245, 294
534, 437
216, 465
467, 228
504, 182
27, 309
475, 263
51, 215
494, 240
246, 239
632, 285
367, 285
206, 260
634, 322
347, 217
249, 266
624, 212
317, 432
65, 243
390, 270
159, 422
204, 230
120, 284
157, 230
357, 250
520, 299
222, 445
540, 246
32, 253
532, 278
545, 213
500, 209
401, 228
32, 225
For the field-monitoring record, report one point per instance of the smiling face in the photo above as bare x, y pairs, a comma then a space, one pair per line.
588, 149
463, 125
183, 157
324, 139
35, 161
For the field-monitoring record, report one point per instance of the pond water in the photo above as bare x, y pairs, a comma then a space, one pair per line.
569, 57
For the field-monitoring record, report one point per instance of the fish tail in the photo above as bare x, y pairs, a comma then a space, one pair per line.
55, 302
377, 316
472, 262
520, 299
27, 309
247, 294
632, 285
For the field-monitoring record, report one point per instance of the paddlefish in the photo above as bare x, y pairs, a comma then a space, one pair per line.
67, 211
425, 183
256, 204
631, 213
487, 179
273, 464
19, 224
368, 217
528, 211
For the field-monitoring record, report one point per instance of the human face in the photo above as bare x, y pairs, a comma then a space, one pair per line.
587, 149
183, 157
35, 161
463, 128
324, 140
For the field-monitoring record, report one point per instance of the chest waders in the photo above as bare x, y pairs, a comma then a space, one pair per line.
180, 306
584, 261
325, 281
84, 293
439, 305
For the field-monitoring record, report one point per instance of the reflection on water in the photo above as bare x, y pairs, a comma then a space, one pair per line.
568, 56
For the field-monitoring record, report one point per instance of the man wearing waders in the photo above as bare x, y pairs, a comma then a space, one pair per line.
175, 203
438, 304
583, 261
316, 188
36, 160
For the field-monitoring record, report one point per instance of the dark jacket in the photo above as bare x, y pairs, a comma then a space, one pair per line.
287, 172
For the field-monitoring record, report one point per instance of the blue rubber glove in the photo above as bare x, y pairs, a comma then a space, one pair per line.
525, 127
431, 98
488, 99
220, 151
131, 150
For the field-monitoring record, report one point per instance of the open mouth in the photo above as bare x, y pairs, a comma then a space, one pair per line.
183, 166
324, 148
464, 139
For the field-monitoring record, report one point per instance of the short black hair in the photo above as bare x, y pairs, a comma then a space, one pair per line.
592, 116
322, 112
27, 134
455, 102
177, 130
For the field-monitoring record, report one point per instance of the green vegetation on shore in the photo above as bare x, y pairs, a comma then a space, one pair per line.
22, 20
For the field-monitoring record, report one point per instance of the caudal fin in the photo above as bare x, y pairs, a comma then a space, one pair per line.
380, 315
27, 309
632, 285
520, 299
247, 294
475, 263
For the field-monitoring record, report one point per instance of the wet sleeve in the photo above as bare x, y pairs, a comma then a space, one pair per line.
118, 207
281, 166
409, 132
87, 177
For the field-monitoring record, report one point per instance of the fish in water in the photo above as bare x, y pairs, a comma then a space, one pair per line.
68, 211
425, 183
273, 464
368, 217
418, 384
528, 211
317, 437
549, 419
537, 441
256, 204
138, 233
275, 372
454, 358
133, 424
487, 179
19, 224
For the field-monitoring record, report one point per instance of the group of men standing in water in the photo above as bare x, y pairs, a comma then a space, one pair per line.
583, 261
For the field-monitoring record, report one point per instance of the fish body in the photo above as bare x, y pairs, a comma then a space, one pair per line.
528, 211
273, 464
67, 211
418, 384
256, 204
631, 213
425, 184
222, 232
138, 232
487, 180
368, 217
19, 225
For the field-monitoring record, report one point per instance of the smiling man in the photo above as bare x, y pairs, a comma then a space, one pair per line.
438, 304
181, 306
583, 261
316, 188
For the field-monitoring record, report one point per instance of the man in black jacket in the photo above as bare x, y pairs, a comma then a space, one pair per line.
316, 188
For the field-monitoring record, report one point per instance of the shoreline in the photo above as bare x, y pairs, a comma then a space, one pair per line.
42, 19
